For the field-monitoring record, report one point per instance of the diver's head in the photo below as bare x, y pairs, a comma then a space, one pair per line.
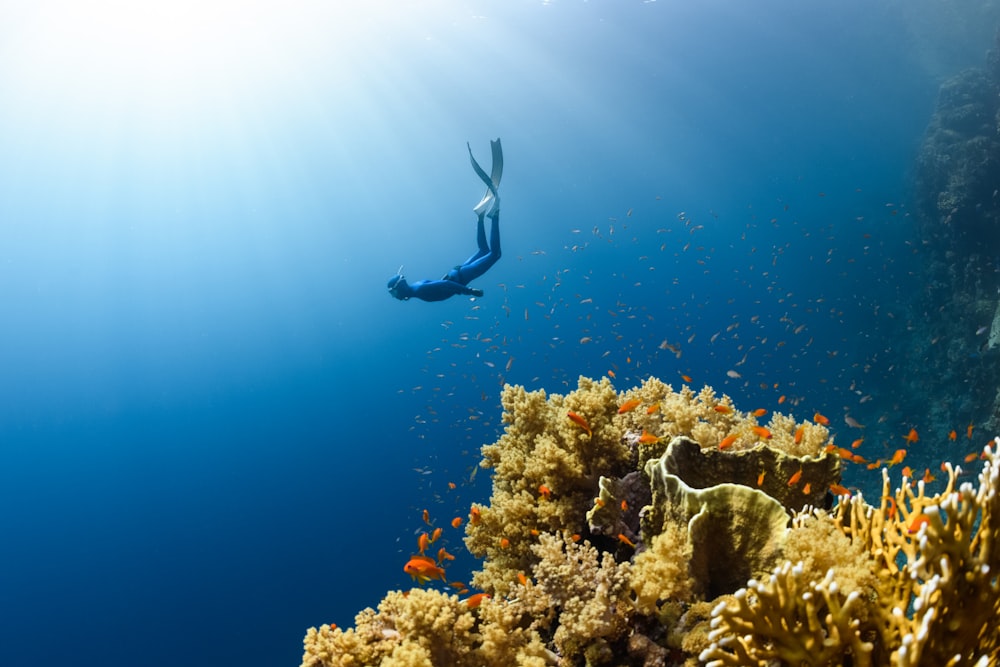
395, 286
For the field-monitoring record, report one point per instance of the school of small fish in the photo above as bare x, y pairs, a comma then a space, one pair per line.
683, 294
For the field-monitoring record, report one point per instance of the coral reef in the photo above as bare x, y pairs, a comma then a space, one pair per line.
603, 547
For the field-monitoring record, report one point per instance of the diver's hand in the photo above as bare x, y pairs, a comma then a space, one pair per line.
475, 292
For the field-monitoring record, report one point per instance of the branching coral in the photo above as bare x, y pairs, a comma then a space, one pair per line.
788, 620
934, 600
937, 555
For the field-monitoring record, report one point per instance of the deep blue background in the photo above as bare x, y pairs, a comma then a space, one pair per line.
216, 428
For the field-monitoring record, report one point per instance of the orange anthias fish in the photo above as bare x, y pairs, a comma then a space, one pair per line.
968, 431
953, 435
820, 419
723, 409
762, 432
580, 421
921, 520
912, 436
794, 479
759, 412
892, 506
897, 457
625, 540
727, 442
799, 432
654, 408
423, 569
475, 600
648, 438
629, 406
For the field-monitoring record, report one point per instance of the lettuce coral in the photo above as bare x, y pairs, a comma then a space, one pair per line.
619, 532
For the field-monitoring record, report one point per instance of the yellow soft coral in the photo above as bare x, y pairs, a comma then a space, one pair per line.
542, 446
589, 589
661, 571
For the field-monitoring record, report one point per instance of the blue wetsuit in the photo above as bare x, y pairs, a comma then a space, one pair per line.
456, 281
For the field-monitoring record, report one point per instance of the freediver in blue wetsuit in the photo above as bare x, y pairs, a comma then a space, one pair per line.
457, 280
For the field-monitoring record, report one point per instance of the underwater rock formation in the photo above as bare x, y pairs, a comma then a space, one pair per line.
909, 581
952, 336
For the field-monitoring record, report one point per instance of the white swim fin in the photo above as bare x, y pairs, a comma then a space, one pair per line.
491, 200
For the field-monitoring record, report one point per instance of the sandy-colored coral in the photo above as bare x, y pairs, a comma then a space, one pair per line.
600, 549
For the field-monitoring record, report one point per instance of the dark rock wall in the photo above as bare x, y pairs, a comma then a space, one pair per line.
958, 213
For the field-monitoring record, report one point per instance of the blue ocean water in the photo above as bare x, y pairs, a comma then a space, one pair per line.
217, 429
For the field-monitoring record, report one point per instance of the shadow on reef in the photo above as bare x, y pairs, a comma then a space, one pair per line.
951, 346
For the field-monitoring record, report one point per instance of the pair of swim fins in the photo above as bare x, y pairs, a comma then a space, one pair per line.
491, 200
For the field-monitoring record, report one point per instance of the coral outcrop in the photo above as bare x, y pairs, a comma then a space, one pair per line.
619, 533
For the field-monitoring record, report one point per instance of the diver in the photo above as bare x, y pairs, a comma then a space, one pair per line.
457, 280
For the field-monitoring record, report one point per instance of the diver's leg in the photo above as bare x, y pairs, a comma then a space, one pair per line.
459, 273
484, 248
481, 236
494, 233
477, 266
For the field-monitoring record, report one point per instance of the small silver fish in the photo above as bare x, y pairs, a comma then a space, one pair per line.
981, 330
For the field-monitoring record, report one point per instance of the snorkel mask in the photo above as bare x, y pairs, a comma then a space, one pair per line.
394, 282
